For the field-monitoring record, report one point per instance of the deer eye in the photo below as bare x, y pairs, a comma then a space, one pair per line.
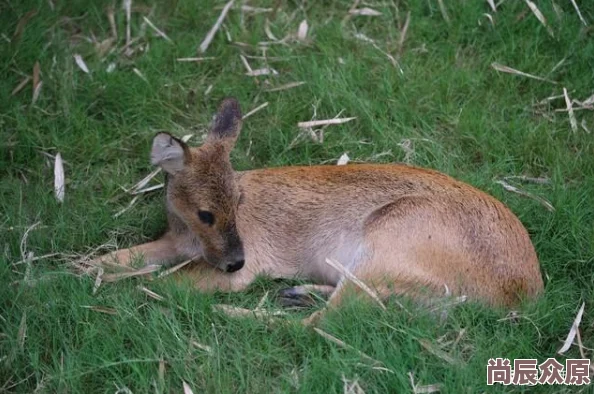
206, 217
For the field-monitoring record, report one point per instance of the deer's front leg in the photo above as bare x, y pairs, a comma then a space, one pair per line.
162, 251
304, 295
208, 279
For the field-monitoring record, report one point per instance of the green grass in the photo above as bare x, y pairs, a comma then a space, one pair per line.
460, 116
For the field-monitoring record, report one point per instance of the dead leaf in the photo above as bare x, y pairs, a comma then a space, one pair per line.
524, 193
431, 348
127, 5
207, 40
568, 103
258, 108
314, 123
140, 74
81, 63
157, 30
345, 345
428, 389
195, 59
302, 31
443, 11
112, 24
124, 275
261, 71
351, 386
351, 277
259, 314
403, 34
187, 389
98, 279
151, 293
539, 16
22, 333
509, 70
103, 47
36, 82
365, 11
175, 268
20, 27
287, 86
573, 330
161, 372
201, 346
343, 160
21, 85
578, 12
392, 59
101, 309
59, 179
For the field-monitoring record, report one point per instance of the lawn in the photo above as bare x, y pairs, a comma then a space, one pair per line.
429, 85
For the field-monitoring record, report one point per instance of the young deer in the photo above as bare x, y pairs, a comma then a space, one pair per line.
399, 229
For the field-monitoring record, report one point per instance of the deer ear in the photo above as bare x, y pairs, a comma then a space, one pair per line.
227, 122
169, 153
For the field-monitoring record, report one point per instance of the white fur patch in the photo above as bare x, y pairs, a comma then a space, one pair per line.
347, 249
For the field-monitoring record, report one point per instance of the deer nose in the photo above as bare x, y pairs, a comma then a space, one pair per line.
236, 266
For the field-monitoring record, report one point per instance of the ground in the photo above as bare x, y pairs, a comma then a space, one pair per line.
428, 85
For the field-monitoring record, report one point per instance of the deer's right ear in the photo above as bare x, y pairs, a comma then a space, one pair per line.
227, 123
169, 153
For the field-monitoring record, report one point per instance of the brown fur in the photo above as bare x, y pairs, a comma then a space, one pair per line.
398, 228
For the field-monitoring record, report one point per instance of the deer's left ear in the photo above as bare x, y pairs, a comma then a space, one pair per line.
169, 153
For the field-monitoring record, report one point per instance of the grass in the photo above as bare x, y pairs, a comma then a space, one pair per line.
447, 110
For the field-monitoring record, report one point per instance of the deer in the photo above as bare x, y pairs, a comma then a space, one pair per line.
400, 229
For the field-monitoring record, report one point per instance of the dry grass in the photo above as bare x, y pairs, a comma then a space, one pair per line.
208, 39
346, 274
573, 331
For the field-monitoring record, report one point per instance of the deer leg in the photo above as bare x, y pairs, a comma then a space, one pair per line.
162, 251
304, 295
